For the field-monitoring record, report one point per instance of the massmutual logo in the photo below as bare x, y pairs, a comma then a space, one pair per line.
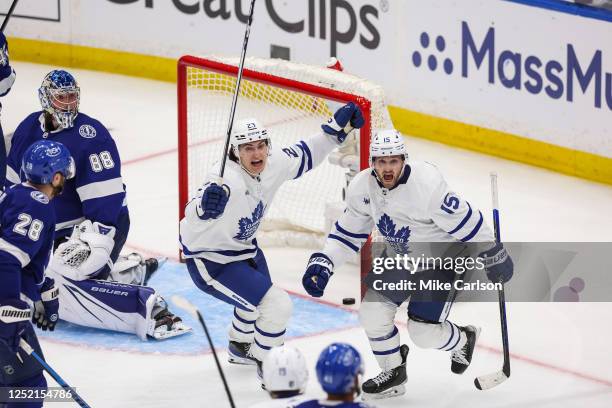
516, 69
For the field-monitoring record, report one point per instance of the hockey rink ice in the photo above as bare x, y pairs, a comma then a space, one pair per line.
561, 353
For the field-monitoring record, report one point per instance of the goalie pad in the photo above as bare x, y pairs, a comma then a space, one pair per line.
86, 252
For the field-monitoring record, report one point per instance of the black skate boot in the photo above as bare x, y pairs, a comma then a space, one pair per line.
388, 383
151, 266
461, 359
238, 353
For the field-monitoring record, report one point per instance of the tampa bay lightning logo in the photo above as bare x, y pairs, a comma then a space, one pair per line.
397, 239
87, 131
248, 226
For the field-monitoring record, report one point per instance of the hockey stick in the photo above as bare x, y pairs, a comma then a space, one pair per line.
247, 32
8, 15
192, 310
73, 394
494, 379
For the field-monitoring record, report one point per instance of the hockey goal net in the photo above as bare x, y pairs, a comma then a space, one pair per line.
292, 100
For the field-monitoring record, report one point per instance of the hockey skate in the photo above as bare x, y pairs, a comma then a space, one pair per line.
389, 383
167, 324
461, 359
238, 353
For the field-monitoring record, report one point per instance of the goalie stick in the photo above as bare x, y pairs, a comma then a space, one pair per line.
230, 124
73, 394
488, 381
8, 15
192, 310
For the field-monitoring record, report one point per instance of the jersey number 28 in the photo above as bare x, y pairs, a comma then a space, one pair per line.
26, 226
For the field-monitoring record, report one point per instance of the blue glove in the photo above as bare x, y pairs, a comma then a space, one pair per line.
317, 274
345, 119
14, 320
46, 310
498, 264
214, 201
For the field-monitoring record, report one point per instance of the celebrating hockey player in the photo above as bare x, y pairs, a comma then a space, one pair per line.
407, 202
7, 79
285, 376
92, 221
27, 222
218, 231
339, 369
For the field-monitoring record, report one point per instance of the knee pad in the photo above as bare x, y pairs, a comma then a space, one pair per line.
276, 305
426, 335
377, 318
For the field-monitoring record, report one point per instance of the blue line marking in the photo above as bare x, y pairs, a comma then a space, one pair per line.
309, 317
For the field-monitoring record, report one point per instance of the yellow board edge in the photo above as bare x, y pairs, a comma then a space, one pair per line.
492, 142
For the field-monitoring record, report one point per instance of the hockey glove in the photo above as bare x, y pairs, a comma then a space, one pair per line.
214, 201
15, 317
46, 310
318, 272
498, 264
345, 119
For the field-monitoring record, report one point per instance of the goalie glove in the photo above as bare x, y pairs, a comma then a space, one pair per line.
343, 122
46, 310
86, 252
318, 272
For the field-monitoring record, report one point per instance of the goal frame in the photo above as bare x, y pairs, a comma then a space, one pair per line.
188, 61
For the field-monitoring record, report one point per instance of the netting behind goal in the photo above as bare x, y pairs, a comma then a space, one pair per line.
292, 101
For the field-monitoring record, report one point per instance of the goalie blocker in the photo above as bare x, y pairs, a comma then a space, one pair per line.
105, 304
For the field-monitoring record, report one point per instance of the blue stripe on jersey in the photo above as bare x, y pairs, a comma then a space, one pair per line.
464, 220
351, 234
344, 241
302, 156
307, 150
474, 231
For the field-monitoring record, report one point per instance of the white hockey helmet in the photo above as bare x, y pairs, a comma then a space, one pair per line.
387, 142
284, 369
246, 131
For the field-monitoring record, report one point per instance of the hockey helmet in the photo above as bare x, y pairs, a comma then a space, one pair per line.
59, 95
338, 366
387, 142
247, 131
284, 369
45, 158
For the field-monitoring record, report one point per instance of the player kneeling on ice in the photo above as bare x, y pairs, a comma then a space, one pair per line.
408, 203
285, 376
339, 369
27, 221
99, 289
218, 231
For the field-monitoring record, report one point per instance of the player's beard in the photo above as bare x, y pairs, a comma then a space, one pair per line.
58, 189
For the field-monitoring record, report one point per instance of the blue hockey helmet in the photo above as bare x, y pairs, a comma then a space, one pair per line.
59, 95
338, 366
45, 158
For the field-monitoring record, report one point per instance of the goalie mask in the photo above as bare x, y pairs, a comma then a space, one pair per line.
59, 96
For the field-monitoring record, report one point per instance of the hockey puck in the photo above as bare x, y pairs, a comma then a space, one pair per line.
348, 301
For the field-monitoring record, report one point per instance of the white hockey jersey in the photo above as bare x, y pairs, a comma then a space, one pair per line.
291, 402
231, 237
420, 208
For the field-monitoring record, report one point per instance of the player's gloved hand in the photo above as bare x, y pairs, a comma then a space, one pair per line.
345, 119
15, 317
498, 264
46, 310
214, 201
317, 274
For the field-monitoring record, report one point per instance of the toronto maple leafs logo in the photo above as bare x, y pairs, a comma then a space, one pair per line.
248, 226
397, 239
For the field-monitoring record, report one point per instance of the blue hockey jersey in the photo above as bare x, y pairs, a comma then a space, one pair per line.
7, 73
97, 191
27, 228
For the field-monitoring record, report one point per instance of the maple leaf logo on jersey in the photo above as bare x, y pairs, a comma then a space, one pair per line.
248, 226
397, 239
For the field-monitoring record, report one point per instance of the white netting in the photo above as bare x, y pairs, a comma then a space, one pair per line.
290, 116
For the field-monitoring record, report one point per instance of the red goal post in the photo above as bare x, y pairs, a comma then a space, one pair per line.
292, 100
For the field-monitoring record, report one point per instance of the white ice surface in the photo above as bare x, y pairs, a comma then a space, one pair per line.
562, 354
